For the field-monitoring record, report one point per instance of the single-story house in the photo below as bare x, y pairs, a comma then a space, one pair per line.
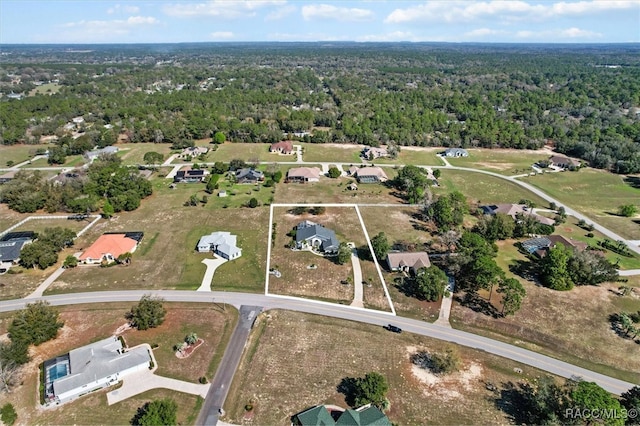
563, 162
221, 243
9, 176
193, 151
10, 246
514, 210
371, 153
282, 147
92, 367
189, 175
108, 247
408, 261
541, 245
92, 155
320, 415
249, 176
368, 174
455, 152
317, 236
304, 174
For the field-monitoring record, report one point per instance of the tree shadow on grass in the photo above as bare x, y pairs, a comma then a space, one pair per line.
524, 269
405, 286
347, 387
633, 181
478, 304
510, 401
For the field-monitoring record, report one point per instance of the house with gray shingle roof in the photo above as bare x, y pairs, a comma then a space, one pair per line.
311, 234
221, 243
408, 261
92, 367
249, 176
456, 152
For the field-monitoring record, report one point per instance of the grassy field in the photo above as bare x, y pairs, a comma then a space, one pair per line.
18, 153
414, 155
335, 191
39, 225
397, 223
503, 161
246, 152
595, 193
82, 328
45, 89
295, 361
572, 326
325, 282
167, 257
9, 217
331, 152
70, 161
481, 189
133, 153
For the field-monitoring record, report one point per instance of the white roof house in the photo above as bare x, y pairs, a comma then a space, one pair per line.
221, 243
92, 367
92, 155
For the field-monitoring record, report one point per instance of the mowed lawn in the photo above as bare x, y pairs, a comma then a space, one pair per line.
70, 161
335, 191
481, 188
295, 361
166, 258
324, 282
327, 152
88, 323
415, 156
597, 194
246, 152
503, 161
133, 153
573, 326
18, 153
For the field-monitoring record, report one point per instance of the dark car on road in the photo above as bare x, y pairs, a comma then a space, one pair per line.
393, 328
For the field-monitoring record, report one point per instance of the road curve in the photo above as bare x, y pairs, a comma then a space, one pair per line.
463, 338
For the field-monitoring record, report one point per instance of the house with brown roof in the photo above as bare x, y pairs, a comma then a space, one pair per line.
514, 210
282, 147
304, 174
108, 247
368, 174
564, 162
193, 151
371, 153
408, 261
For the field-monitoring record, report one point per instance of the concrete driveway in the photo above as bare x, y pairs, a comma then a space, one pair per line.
212, 265
143, 381
357, 280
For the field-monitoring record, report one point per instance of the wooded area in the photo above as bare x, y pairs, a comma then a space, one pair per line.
584, 99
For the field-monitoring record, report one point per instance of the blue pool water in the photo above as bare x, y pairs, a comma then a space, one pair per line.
57, 371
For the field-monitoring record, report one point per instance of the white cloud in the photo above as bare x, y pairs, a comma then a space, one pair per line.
280, 13
328, 11
126, 9
558, 35
221, 35
101, 31
482, 32
229, 9
507, 10
393, 36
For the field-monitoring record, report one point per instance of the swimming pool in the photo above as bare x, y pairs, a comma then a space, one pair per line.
57, 371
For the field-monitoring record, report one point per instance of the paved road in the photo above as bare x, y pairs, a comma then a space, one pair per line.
463, 338
219, 389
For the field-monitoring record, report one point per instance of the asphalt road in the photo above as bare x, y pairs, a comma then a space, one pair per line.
219, 389
515, 353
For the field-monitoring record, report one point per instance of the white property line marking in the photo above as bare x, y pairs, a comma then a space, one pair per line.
366, 235
331, 304
375, 261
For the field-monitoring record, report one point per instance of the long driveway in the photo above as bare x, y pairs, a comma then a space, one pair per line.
515, 353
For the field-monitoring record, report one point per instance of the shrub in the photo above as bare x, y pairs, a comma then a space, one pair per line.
202, 380
8, 414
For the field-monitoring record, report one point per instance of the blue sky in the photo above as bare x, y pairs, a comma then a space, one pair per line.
148, 21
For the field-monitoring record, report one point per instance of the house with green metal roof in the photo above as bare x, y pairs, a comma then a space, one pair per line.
367, 415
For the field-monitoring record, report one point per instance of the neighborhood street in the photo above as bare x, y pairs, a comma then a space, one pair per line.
515, 353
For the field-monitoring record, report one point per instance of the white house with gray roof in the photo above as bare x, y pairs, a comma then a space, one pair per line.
221, 243
456, 152
92, 367
311, 234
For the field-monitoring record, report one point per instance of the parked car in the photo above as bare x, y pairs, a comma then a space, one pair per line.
393, 328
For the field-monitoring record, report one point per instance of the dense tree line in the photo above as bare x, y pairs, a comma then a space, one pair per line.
583, 99
105, 183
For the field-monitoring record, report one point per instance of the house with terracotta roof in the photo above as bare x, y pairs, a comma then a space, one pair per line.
514, 210
282, 147
368, 174
408, 261
108, 247
304, 174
